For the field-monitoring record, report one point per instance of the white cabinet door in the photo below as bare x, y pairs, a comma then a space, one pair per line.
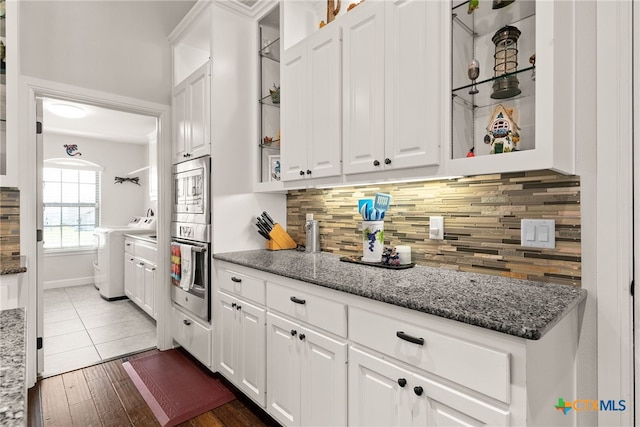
377, 391
435, 404
413, 83
200, 111
294, 109
283, 370
149, 290
192, 116
138, 283
323, 381
324, 103
129, 275
363, 88
251, 351
180, 122
227, 336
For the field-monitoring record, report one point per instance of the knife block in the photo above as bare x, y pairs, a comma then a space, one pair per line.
280, 239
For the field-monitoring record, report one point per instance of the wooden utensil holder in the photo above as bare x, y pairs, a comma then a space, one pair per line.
280, 239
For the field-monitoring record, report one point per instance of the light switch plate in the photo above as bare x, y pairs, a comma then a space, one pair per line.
538, 233
436, 228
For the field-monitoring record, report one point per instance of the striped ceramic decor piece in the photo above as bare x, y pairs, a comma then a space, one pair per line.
481, 222
9, 228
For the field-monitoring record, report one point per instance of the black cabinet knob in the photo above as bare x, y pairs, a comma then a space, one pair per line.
387, 161
308, 172
402, 382
418, 390
376, 163
233, 305
238, 307
302, 337
236, 279
301, 173
293, 332
186, 322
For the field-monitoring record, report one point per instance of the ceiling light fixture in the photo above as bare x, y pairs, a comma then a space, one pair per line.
67, 111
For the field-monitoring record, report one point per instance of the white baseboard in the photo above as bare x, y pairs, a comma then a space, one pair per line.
65, 283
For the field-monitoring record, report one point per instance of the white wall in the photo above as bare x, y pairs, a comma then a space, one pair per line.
117, 47
120, 202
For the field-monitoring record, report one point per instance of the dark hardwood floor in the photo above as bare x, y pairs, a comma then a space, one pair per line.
104, 395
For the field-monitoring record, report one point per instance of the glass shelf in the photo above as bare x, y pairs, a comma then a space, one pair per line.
488, 20
266, 100
273, 145
483, 97
271, 51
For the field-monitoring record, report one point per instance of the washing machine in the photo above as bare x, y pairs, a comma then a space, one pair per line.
108, 266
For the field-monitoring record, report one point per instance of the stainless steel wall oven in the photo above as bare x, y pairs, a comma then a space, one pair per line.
191, 237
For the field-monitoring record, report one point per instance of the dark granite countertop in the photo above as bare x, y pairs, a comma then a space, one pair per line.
522, 308
12, 367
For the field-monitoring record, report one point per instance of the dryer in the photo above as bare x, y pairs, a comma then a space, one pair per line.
108, 266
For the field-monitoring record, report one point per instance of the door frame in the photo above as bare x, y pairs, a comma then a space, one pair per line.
29, 90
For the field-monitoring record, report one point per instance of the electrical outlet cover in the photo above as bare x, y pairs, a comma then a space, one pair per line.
436, 228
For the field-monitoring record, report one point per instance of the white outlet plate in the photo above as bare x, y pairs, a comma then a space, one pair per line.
436, 228
538, 233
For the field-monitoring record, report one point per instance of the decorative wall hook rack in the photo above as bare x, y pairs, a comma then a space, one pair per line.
119, 180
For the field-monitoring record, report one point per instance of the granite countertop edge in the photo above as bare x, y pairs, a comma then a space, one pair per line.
15, 269
12, 367
493, 305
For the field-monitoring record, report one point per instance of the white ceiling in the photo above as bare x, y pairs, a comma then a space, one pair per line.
100, 123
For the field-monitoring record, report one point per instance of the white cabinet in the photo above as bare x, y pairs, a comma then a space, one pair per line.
192, 115
140, 274
363, 88
526, 117
194, 336
311, 107
385, 393
306, 374
392, 89
241, 345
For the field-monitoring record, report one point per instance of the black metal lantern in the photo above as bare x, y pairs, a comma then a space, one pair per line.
505, 62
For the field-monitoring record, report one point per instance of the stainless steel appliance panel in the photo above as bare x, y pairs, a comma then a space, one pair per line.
191, 200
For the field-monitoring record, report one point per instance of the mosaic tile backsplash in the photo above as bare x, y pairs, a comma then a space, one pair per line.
481, 222
9, 227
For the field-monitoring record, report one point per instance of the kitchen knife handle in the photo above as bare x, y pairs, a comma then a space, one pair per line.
298, 300
268, 217
403, 336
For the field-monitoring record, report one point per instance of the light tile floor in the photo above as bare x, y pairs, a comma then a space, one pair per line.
81, 329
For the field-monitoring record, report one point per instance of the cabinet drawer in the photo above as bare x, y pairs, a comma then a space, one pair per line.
146, 251
193, 336
315, 310
242, 285
471, 365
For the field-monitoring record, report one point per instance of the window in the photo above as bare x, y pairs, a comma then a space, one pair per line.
71, 206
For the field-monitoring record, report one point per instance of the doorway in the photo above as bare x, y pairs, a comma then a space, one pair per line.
80, 154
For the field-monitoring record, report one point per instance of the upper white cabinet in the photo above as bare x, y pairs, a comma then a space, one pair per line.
519, 112
363, 88
392, 85
8, 95
311, 107
191, 95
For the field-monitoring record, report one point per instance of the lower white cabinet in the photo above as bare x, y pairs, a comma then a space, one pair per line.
140, 274
241, 345
194, 336
306, 374
382, 392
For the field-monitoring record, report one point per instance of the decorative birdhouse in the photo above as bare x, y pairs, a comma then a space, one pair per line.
502, 130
